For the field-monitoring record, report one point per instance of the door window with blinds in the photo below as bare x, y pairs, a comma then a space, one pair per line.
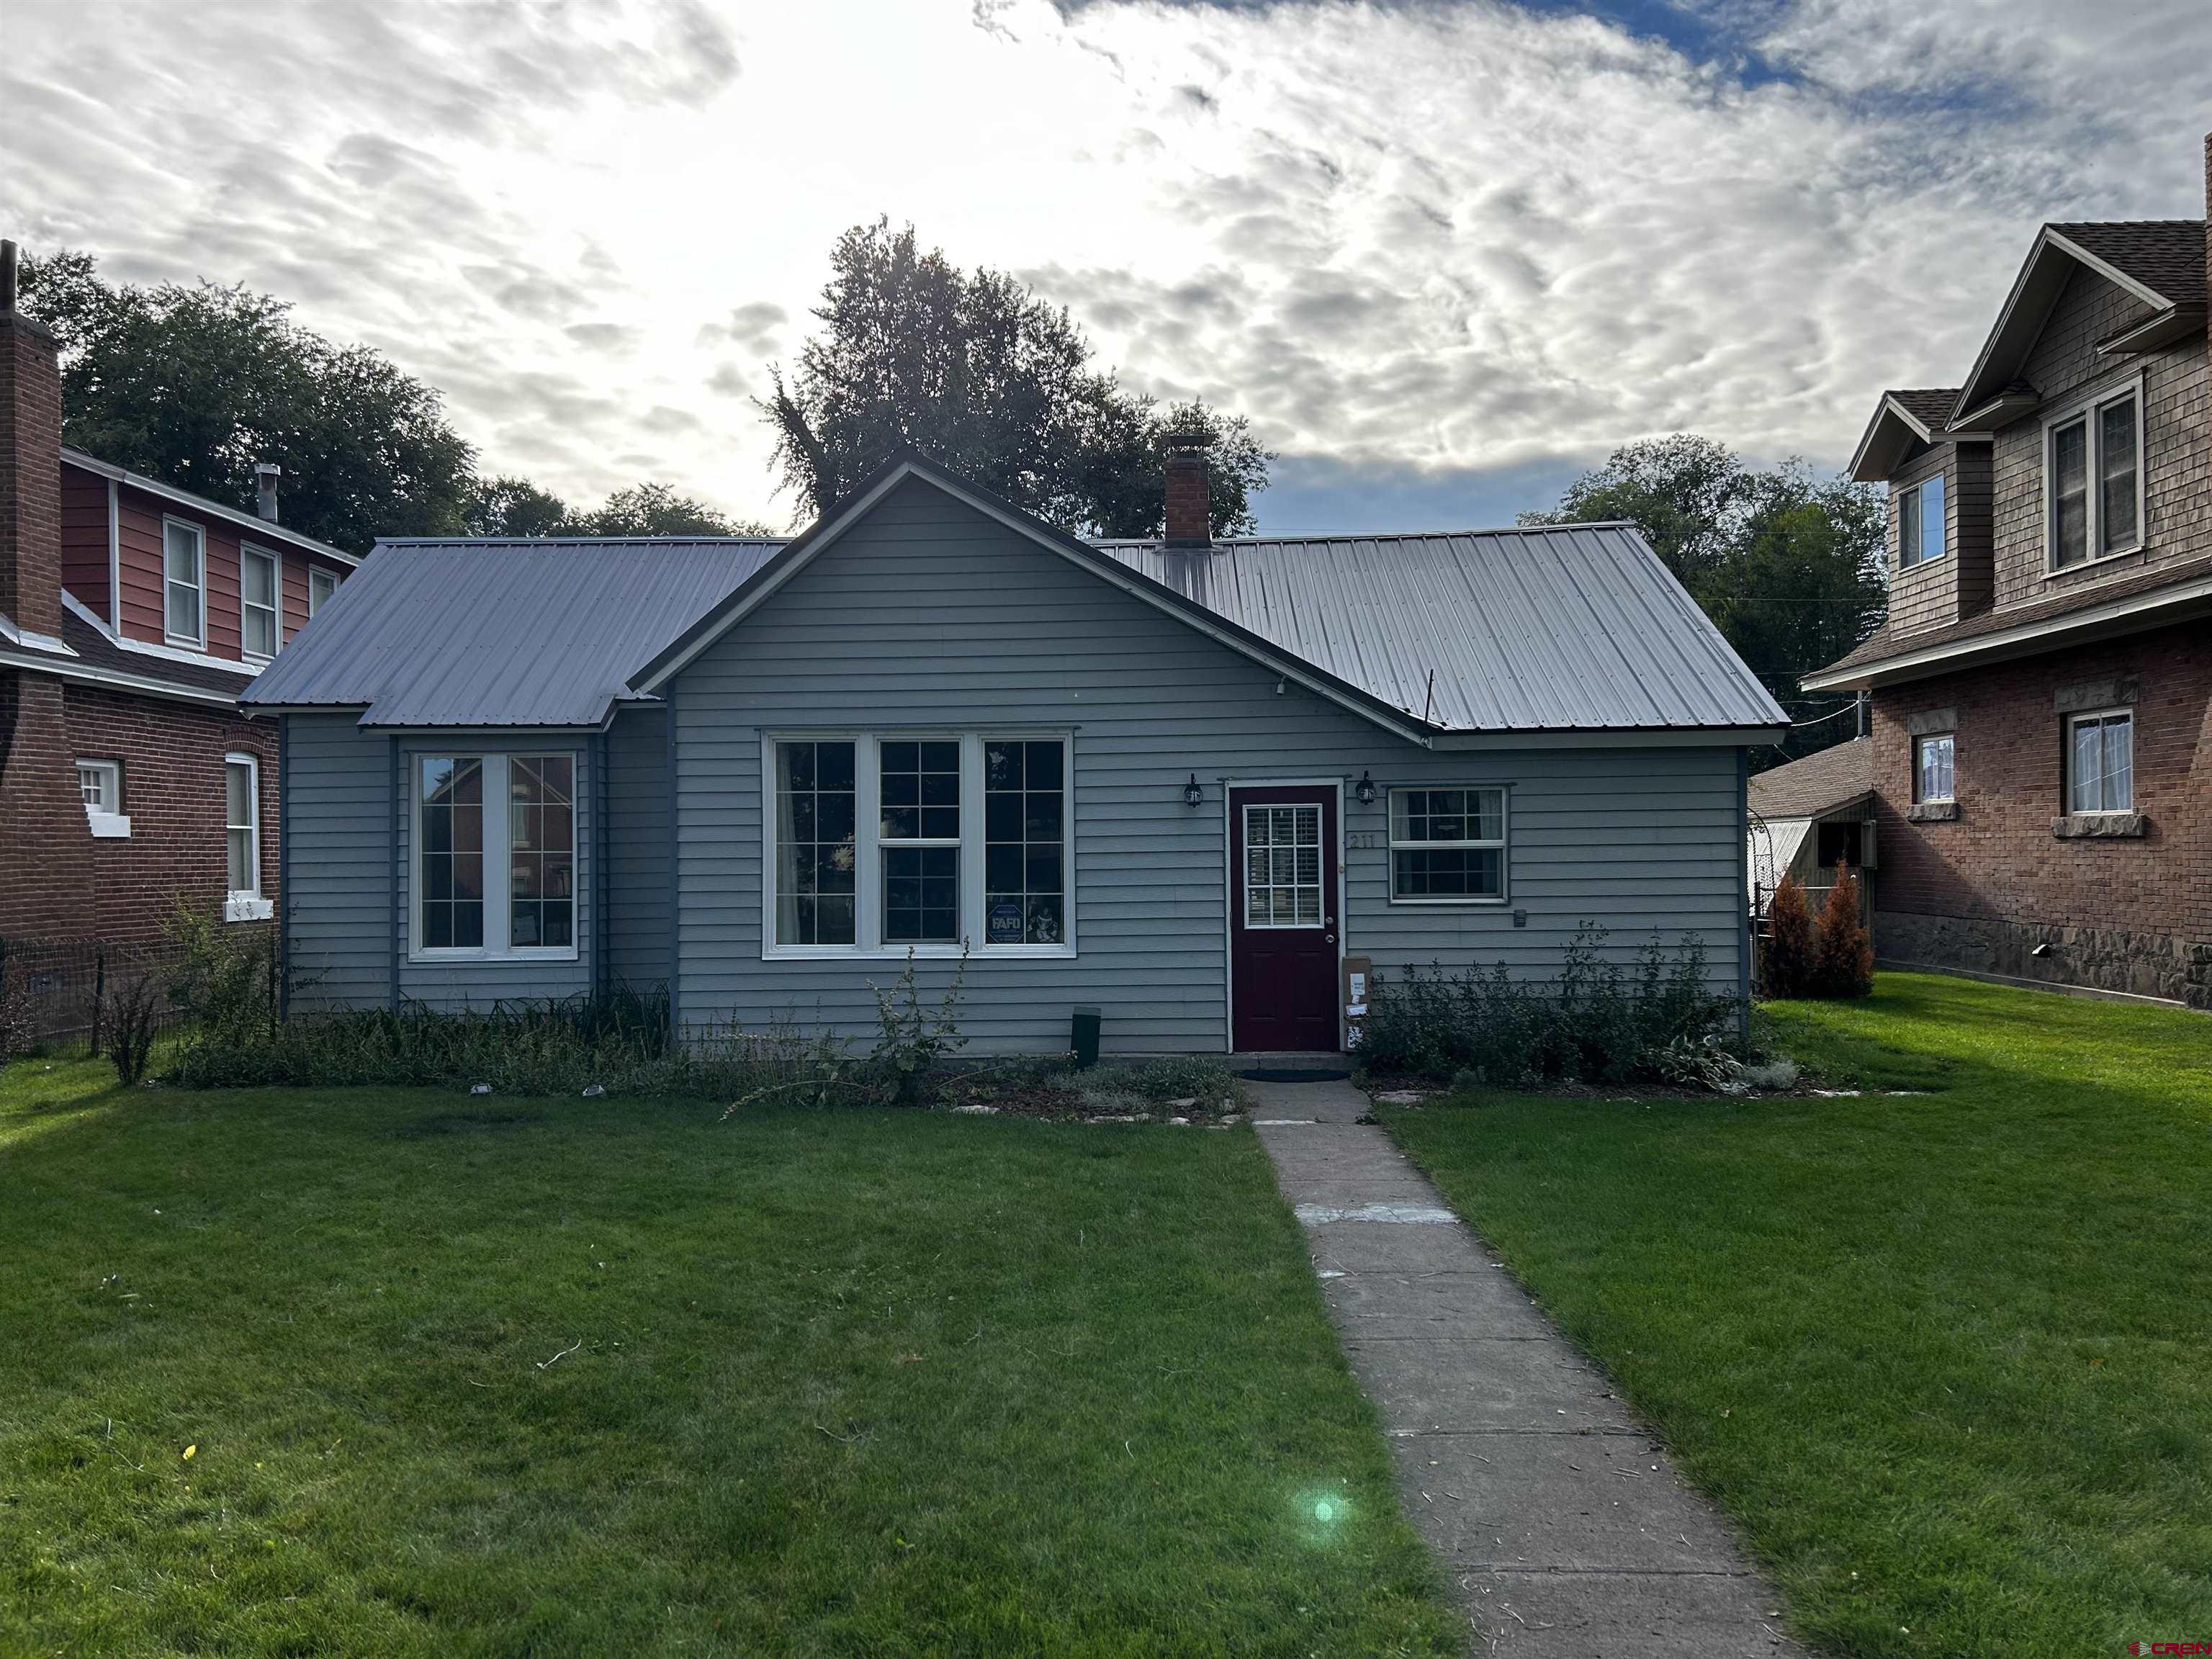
1283, 866
934, 842
495, 860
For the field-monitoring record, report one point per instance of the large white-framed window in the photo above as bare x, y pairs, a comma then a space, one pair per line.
495, 856
241, 824
1922, 527
1934, 772
321, 584
100, 784
260, 594
1448, 845
2100, 762
184, 583
878, 844
2093, 479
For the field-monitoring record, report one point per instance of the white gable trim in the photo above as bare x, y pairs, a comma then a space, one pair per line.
782, 570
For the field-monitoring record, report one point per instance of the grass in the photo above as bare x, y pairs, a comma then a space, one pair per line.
1943, 1356
404, 1372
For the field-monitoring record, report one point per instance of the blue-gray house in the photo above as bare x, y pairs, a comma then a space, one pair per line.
1179, 780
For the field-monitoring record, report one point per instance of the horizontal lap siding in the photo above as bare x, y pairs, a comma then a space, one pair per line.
337, 862
84, 540
637, 848
929, 614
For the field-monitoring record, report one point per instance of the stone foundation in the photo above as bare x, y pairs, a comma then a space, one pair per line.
2101, 958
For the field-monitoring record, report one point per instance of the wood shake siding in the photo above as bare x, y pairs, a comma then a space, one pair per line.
1925, 595
2063, 367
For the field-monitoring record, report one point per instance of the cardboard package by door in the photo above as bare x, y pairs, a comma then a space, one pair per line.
1357, 972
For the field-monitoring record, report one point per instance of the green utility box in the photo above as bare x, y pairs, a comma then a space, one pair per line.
1082, 1037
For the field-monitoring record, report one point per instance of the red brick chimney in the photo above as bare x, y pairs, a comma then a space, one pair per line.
30, 465
1190, 517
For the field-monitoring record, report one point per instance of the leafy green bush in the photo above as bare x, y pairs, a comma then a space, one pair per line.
1596, 1021
223, 979
914, 1043
1177, 1077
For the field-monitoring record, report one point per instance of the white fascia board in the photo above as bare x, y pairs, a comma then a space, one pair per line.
2120, 614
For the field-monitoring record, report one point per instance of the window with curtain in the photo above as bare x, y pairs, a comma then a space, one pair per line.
816, 844
1933, 779
2101, 763
451, 860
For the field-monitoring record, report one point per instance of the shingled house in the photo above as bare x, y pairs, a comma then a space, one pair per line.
2042, 749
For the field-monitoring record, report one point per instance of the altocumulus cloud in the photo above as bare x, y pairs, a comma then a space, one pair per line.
1443, 256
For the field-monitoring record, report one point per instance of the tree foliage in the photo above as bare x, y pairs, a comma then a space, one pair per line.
193, 385
1791, 567
1785, 966
976, 371
1843, 955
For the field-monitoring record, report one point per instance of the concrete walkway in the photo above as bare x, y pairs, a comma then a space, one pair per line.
1564, 1526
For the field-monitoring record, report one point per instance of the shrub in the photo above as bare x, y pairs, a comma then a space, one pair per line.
1843, 956
129, 1020
1786, 966
912, 1043
1178, 1077
1593, 1022
1701, 1063
222, 979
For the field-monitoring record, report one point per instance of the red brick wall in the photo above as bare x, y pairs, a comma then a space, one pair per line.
1999, 862
55, 877
30, 486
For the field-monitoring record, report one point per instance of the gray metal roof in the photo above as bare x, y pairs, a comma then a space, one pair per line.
1553, 629
500, 633
1573, 627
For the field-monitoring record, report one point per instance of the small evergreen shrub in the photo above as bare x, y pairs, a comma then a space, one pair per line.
1843, 955
1786, 965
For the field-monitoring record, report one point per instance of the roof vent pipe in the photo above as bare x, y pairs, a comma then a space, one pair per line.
1190, 515
265, 474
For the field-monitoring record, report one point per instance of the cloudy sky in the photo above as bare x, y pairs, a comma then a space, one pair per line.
1444, 256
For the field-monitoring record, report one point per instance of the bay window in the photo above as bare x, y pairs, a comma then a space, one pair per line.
1446, 846
2092, 460
496, 855
928, 841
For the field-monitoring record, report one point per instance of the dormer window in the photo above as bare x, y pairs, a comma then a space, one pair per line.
1921, 528
2093, 459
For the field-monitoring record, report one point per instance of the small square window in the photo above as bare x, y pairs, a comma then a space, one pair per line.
101, 783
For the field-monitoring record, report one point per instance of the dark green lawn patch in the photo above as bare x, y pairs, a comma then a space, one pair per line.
604, 1376
1947, 1357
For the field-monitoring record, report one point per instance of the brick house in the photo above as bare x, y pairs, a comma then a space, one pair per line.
2041, 694
131, 615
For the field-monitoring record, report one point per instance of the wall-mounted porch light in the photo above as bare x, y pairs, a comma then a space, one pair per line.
1365, 788
1192, 794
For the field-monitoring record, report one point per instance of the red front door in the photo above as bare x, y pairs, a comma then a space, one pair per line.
1283, 903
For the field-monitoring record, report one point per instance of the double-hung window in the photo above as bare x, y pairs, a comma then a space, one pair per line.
1933, 775
1446, 846
928, 841
321, 584
241, 822
1921, 529
496, 855
184, 583
2100, 762
258, 590
2093, 462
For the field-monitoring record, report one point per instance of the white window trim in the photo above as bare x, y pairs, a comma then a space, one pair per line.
2066, 782
106, 826
250, 550
1393, 846
498, 868
1943, 520
1919, 799
330, 577
868, 872
199, 532
2086, 410
244, 904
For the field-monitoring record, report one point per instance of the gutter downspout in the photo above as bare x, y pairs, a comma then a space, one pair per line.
1743, 909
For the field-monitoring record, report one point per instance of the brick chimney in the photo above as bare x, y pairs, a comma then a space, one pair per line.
30, 465
2207, 213
1190, 520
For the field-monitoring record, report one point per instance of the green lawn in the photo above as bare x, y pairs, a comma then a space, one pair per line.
589, 1377
1948, 1357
